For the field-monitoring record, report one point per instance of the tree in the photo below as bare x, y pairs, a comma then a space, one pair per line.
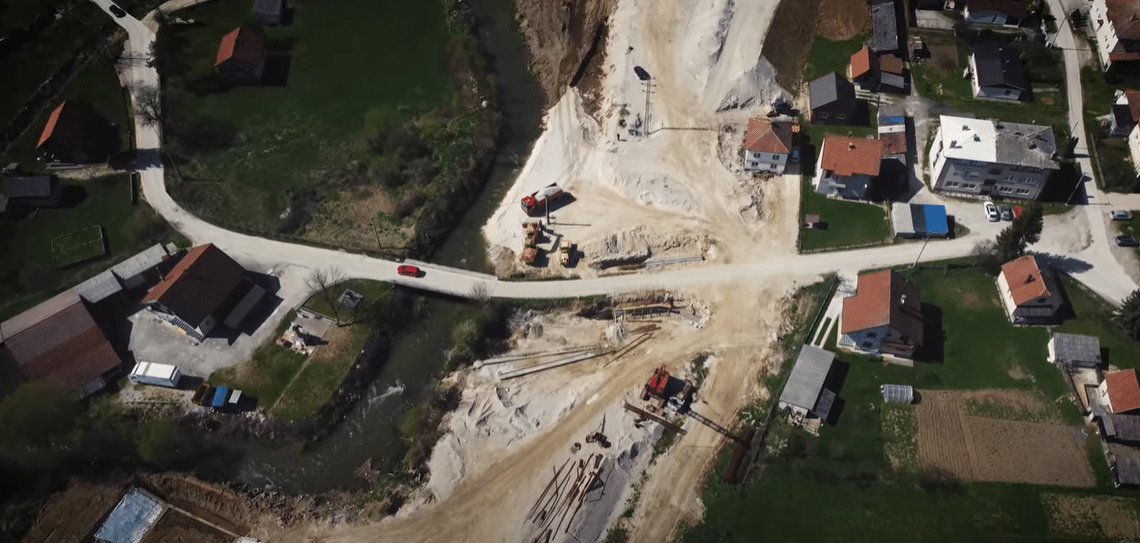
1128, 315
321, 282
148, 104
38, 413
1023, 231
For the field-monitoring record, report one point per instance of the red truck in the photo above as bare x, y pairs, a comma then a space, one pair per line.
537, 202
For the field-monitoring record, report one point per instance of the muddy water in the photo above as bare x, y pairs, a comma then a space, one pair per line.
368, 432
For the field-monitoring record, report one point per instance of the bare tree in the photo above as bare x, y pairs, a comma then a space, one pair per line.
148, 104
480, 292
321, 282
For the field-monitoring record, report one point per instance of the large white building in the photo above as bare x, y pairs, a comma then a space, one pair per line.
981, 157
1117, 27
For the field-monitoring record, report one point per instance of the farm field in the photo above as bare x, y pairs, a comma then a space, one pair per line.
79, 246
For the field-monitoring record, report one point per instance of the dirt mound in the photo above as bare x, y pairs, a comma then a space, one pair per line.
559, 36
788, 49
843, 19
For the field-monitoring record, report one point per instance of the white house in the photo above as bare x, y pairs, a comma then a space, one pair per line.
979, 157
768, 145
1117, 27
204, 289
1118, 393
847, 166
996, 73
1125, 113
883, 317
1029, 293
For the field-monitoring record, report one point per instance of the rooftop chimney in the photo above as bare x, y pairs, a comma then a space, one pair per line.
1028, 279
851, 145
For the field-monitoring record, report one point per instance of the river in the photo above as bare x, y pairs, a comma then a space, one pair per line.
369, 431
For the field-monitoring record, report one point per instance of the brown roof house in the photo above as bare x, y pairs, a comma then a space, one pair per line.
63, 345
1029, 293
847, 167
1125, 113
75, 134
877, 73
206, 287
884, 317
768, 145
1117, 27
241, 55
1119, 393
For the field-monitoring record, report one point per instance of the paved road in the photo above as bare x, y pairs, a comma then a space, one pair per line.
1103, 273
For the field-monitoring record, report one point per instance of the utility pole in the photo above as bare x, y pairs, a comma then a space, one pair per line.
916, 259
376, 231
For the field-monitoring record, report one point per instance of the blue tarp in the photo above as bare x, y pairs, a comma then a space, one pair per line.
930, 220
220, 395
130, 521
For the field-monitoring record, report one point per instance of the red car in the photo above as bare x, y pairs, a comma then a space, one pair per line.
408, 271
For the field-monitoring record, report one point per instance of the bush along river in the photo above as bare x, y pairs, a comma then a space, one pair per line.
369, 433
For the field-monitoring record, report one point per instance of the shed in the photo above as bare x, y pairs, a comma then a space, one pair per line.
897, 393
1074, 350
1126, 472
269, 12
1120, 427
920, 220
132, 518
804, 392
884, 27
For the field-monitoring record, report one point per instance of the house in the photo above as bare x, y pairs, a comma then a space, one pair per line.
977, 157
1119, 393
1125, 113
847, 166
805, 394
1029, 293
884, 316
269, 12
893, 134
75, 134
891, 74
884, 27
30, 191
996, 73
832, 100
994, 12
1074, 350
59, 341
863, 69
920, 221
1117, 27
768, 145
205, 288
241, 55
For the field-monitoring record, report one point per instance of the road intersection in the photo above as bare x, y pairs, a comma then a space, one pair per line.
1097, 267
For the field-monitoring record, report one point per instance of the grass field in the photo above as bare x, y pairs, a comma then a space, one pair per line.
1112, 159
291, 386
28, 269
828, 56
79, 246
308, 140
852, 491
96, 84
940, 78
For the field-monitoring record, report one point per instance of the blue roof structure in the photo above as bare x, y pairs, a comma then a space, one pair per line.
220, 394
131, 519
930, 220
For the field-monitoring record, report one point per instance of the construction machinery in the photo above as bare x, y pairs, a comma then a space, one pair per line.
655, 387
532, 231
564, 253
539, 201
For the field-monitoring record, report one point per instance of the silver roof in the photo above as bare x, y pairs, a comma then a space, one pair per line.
141, 262
897, 393
99, 287
131, 519
808, 374
1023, 144
1076, 347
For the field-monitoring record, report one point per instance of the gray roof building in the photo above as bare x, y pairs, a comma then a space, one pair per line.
269, 12
1127, 471
29, 186
884, 27
832, 99
1121, 427
1074, 350
132, 518
999, 65
804, 389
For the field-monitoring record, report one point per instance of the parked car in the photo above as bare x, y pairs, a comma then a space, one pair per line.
991, 212
1120, 215
1127, 241
117, 11
408, 270
1006, 213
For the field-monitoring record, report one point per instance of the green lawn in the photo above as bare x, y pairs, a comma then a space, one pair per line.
293, 387
97, 85
1111, 157
303, 142
828, 56
79, 246
839, 486
940, 79
28, 270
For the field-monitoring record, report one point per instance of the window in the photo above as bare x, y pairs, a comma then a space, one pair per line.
1004, 188
904, 339
871, 335
1023, 192
995, 171
866, 344
952, 184
823, 114
840, 117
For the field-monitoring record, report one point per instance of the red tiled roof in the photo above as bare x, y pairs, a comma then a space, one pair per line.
891, 64
1123, 391
66, 347
851, 156
49, 127
243, 44
1025, 280
884, 298
1132, 98
1125, 17
764, 136
1123, 56
861, 62
198, 284
894, 143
